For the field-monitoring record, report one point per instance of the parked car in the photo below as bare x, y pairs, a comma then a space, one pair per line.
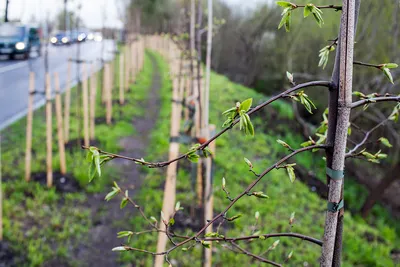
61, 38
19, 40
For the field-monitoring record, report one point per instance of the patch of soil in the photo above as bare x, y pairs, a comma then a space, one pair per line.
8, 258
63, 183
108, 217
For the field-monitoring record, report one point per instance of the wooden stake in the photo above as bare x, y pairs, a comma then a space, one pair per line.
29, 120
49, 155
121, 79
108, 94
67, 105
170, 183
127, 81
104, 85
93, 91
133, 61
60, 128
85, 102
208, 196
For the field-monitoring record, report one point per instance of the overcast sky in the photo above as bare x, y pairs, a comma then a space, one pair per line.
26, 9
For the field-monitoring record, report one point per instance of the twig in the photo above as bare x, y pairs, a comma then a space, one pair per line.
376, 99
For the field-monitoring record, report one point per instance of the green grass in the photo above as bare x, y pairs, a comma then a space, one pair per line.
43, 224
366, 243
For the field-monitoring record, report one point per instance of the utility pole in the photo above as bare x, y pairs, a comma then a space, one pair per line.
6, 14
66, 16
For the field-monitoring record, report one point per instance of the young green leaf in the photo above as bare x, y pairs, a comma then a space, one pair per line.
248, 162
223, 183
112, 194
234, 218
171, 222
385, 141
388, 74
249, 126
275, 244
246, 105
288, 21
283, 143
92, 171
307, 10
260, 195
119, 249
257, 215
193, 157
206, 244
124, 234
290, 171
284, 4
289, 76
291, 219
177, 206
317, 13
391, 65
124, 201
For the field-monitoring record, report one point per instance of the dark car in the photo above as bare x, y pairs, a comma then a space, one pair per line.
61, 38
19, 40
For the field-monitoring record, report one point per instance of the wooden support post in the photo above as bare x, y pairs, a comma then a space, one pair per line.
108, 94
170, 183
60, 128
127, 81
93, 91
208, 196
133, 62
49, 130
67, 105
29, 121
85, 106
121, 79
104, 84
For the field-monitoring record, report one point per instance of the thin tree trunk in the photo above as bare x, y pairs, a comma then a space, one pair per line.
337, 252
342, 122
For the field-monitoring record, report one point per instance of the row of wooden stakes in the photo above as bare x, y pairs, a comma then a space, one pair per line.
131, 62
189, 88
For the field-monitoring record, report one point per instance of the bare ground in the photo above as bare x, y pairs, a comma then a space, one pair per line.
108, 217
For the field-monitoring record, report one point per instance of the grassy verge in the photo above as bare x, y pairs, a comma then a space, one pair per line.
47, 226
365, 244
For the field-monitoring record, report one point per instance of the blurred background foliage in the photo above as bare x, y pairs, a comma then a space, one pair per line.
249, 49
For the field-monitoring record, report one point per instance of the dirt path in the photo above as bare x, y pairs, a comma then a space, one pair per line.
108, 217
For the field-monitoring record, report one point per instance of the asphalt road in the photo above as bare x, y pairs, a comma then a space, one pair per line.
14, 75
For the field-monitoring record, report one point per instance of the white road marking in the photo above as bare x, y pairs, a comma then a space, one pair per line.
13, 67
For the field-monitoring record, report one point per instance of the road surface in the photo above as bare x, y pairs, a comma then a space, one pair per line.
14, 75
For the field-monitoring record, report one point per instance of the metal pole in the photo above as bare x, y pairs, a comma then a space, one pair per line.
66, 16
6, 14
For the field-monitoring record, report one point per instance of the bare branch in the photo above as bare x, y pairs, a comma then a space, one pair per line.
204, 145
374, 100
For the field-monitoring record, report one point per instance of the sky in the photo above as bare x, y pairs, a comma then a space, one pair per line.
26, 9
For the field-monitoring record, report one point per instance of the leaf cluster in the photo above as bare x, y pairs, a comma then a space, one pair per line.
240, 110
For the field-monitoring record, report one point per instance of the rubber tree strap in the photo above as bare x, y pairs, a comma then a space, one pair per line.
335, 207
335, 174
